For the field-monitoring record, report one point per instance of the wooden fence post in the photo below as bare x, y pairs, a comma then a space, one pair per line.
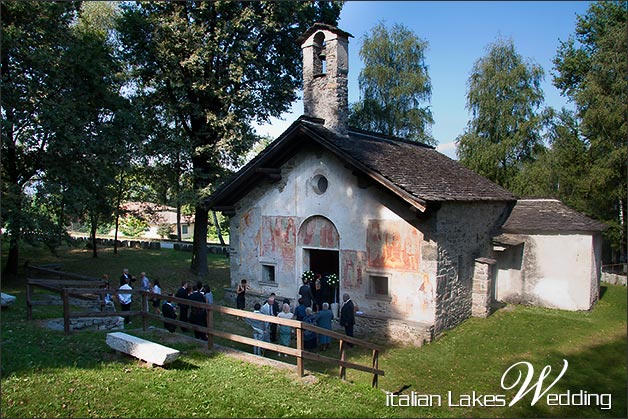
66, 312
144, 310
210, 329
299, 348
343, 369
375, 365
29, 304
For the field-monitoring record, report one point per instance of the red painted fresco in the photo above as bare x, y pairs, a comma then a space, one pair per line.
279, 239
353, 268
319, 232
393, 245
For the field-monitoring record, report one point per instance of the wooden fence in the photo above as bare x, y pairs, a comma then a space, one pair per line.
68, 288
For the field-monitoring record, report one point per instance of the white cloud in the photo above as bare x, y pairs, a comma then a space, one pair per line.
448, 149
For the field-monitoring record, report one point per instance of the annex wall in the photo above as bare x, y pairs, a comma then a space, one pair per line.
557, 271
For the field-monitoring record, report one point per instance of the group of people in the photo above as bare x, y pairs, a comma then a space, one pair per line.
189, 314
310, 309
307, 311
125, 298
311, 298
197, 292
316, 292
272, 332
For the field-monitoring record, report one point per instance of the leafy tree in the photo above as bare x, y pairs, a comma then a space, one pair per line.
35, 40
562, 170
133, 226
97, 126
591, 71
504, 97
164, 230
169, 175
217, 66
394, 85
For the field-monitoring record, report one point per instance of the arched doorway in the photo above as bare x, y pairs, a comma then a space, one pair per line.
319, 242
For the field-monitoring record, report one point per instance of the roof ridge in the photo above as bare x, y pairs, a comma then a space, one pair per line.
380, 136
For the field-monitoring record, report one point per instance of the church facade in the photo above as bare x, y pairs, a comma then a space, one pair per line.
409, 232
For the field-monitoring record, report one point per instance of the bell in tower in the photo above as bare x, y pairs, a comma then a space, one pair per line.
325, 76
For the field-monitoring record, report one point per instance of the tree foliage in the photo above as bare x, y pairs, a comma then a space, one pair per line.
561, 170
504, 97
394, 85
36, 37
591, 71
217, 67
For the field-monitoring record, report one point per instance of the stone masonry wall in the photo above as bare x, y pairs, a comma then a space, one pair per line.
482, 287
326, 94
464, 232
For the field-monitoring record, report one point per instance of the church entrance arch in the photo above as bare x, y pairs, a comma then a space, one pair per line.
319, 242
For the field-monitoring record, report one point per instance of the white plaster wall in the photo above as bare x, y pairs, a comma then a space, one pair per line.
508, 279
557, 272
349, 208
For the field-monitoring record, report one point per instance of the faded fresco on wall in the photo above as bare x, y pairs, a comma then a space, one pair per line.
319, 232
425, 293
279, 240
393, 245
249, 236
353, 269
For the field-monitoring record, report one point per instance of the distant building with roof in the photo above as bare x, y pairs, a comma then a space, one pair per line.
156, 216
419, 241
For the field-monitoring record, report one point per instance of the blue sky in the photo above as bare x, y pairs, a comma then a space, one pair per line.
458, 34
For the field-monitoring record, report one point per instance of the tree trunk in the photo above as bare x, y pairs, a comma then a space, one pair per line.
94, 225
199, 249
177, 188
13, 256
222, 241
118, 200
178, 220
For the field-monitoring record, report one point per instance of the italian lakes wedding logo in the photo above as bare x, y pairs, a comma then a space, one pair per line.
512, 379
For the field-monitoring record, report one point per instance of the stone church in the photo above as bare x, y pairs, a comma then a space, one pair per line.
418, 241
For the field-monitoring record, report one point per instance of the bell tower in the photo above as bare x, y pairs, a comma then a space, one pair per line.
325, 76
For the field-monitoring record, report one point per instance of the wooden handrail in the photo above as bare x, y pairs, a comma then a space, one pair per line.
299, 326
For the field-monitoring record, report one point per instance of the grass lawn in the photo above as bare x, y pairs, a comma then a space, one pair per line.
47, 374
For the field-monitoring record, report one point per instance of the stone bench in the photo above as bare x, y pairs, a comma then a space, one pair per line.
152, 353
7, 300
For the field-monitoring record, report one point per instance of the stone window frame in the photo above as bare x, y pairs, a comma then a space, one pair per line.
369, 288
265, 265
316, 185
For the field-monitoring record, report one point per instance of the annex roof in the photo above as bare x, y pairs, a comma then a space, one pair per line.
415, 172
548, 215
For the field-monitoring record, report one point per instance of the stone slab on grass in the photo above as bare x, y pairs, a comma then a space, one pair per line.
148, 351
7, 300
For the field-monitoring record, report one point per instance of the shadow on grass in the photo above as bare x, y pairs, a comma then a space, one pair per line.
597, 370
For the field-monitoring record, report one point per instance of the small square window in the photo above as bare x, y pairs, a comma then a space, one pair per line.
268, 273
378, 285
184, 229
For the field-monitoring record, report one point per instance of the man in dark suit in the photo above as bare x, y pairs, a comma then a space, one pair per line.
125, 275
183, 308
167, 309
198, 316
306, 293
347, 316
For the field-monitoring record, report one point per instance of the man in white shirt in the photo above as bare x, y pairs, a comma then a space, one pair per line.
125, 300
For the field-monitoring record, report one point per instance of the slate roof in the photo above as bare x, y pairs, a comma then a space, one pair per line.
414, 171
548, 215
